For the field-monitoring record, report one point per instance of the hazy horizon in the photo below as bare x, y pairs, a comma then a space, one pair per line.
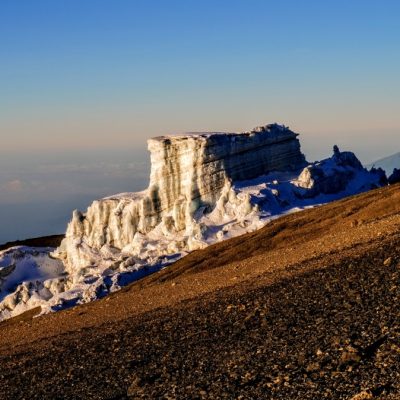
85, 84
39, 191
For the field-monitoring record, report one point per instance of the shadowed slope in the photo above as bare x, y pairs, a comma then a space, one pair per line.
45, 241
305, 308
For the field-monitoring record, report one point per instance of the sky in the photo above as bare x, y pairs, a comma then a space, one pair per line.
84, 83
38, 195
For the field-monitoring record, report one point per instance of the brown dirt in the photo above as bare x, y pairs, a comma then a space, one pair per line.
305, 308
44, 241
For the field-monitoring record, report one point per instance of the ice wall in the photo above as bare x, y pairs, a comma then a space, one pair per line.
189, 171
188, 174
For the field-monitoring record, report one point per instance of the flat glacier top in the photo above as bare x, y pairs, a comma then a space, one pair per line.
271, 129
194, 135
127, 195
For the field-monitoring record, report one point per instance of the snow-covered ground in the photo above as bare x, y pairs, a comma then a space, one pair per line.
32, 277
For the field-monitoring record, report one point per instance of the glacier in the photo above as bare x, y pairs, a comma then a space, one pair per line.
204, 188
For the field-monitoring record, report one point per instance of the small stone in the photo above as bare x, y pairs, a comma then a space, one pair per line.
313, 367
364, 395
350, 355
388, 262
134, 388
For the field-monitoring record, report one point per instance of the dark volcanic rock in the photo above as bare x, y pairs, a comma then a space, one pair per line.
395, 177
383, 180
331, 175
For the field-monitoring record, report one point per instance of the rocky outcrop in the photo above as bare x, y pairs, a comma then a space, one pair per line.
331, 175
383, 179
395, 177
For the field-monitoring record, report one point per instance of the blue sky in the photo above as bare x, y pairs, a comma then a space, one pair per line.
84, 83
94, 73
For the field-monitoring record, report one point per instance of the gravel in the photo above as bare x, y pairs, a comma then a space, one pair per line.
333, 333
222, 326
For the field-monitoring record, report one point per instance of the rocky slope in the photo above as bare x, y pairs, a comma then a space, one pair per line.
305, 308
204, 188
45, 241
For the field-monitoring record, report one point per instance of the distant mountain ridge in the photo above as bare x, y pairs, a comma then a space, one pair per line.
387, 163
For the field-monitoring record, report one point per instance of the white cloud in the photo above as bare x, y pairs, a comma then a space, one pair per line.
14, 185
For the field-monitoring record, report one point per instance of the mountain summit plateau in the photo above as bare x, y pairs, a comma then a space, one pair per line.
204, 188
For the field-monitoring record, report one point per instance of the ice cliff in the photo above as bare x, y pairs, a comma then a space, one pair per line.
188, 175
204, 188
